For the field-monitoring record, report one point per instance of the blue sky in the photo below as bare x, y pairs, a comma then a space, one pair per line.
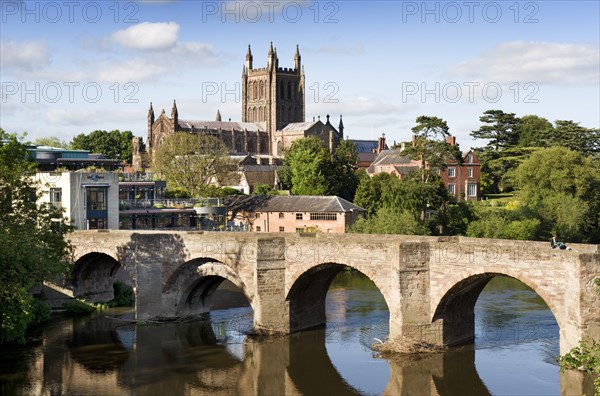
74, 67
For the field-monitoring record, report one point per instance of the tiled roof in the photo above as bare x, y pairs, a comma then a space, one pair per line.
299, 126
290, 203
224, 125
392, 157
364, 146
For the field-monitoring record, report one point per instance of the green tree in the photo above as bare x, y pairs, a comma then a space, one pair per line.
114, 144
535, 131
563, 187
311, 166
345, 179
571, 135
32, 237
429, 145
51, 141
263, 189
369, 191
389, 220
193, 162
502, 129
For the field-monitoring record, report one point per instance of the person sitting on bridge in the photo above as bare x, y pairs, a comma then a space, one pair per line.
558, 245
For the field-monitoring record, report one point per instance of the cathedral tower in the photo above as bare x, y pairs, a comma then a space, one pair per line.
272, 94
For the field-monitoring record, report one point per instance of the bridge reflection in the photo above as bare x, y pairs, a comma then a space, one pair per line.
104, 356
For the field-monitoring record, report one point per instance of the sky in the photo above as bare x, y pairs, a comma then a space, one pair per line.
71, 67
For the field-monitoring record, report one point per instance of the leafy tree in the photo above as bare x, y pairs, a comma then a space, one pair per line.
263, 189
390, 221
370, 191
345, 179
52, 141
535, 131
114, 144
577, 138
192, 162
502, 129
311, 165
32, 237
429, 145
498, 167
563, 187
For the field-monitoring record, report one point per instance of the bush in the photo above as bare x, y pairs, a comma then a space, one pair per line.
78, 307
123, 295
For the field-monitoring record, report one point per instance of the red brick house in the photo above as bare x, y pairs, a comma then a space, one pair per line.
329, 214
463, 181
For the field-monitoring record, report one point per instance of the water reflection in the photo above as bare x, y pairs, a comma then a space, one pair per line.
106, 354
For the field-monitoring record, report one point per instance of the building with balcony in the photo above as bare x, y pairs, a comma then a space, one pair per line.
89, 200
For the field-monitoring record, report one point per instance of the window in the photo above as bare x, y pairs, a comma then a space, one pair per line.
451, 172
471, 189
96, 198
451, 188
281, 229
258, 216
257, 228
97, 224
470, 159
298, 216
300, 230
323, 216
470, 172
56, 195
281, 215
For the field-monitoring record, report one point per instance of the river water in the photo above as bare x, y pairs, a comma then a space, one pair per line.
106, 354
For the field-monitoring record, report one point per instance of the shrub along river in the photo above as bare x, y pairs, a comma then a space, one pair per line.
105, 354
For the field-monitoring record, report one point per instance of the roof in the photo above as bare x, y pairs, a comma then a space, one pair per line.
299, 126
223, 125
392, 157
364, 146
290, 203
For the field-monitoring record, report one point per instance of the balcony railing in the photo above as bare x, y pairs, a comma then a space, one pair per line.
137, 177
188, 203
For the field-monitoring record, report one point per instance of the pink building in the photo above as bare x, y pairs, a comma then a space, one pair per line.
330, 214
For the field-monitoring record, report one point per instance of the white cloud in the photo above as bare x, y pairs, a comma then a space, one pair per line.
538, 62
28, 55
148, 35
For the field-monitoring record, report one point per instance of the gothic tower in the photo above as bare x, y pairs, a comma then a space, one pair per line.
272, 94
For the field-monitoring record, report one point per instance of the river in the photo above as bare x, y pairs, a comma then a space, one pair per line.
106, 354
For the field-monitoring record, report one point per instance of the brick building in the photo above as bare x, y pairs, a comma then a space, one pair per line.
329, 214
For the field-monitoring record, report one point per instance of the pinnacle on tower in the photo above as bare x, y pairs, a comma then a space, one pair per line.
218, 116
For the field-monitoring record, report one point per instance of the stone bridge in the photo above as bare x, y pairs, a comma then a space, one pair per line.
430, 284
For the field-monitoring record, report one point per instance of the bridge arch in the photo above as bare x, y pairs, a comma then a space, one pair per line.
190, 288
95, 273
308, 290
455, 303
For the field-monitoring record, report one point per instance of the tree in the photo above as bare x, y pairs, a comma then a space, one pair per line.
535, 131
114, 144
32, 237
577, 138
345, 179
429, 144
310, 165
51, 141
192, 162
502, 129
370, 191
563, 187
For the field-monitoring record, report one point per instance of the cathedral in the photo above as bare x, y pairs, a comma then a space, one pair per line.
273, 115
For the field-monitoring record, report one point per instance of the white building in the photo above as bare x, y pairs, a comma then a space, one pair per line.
90, 200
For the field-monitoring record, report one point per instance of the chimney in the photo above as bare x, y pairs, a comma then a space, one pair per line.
381, 143
451, 140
